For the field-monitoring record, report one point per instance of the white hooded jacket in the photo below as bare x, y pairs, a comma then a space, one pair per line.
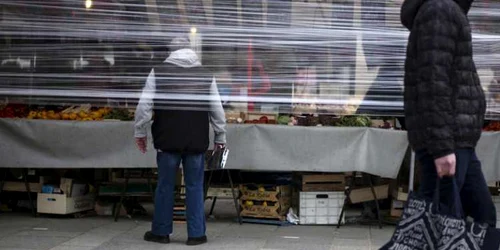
185, 58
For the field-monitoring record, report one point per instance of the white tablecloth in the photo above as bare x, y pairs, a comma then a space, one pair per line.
66, 144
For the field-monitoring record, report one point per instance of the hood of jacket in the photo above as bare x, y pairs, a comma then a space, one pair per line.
410, 9
185, 58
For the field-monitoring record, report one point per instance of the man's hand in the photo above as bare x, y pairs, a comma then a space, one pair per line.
142, 144
446, 165
219, 146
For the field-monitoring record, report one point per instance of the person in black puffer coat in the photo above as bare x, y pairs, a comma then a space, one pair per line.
445, 103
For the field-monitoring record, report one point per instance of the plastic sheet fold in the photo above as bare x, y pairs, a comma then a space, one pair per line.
313, 56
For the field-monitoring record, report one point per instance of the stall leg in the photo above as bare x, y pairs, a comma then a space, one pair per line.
28, 190
150, 184
235, 199
207, 185
122, 197
347, 198
379, 217
213, 206
2, 181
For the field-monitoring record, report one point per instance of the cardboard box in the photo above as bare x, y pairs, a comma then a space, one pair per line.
400, 195
78, 190
397, 208
72, 189
365, 194
60, 204
222, 192
14, 186
66, 185
323, 182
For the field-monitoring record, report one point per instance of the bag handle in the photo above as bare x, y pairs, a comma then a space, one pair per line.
456, 206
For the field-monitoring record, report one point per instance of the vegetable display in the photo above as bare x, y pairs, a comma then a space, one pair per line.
354, 121
119, 114
493, 126
13, 111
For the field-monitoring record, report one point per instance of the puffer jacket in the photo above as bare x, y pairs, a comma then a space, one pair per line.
443, 98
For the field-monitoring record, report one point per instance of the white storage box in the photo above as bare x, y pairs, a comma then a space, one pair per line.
496, 200
60, 204
321, 208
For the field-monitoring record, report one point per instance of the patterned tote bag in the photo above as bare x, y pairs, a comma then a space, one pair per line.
424, 227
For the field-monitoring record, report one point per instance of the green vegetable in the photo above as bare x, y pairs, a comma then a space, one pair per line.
354, 121
283, 120
119, 114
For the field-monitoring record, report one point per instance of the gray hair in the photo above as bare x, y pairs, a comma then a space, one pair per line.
178, 43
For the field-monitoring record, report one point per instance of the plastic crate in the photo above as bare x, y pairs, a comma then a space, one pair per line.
496, 200
321, 208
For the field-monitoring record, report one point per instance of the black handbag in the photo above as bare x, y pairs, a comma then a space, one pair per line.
218, 158
423, 226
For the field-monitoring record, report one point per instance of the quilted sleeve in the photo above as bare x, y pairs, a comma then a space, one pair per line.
437, 36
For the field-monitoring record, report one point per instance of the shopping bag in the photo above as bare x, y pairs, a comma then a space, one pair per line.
218, 158
423, 226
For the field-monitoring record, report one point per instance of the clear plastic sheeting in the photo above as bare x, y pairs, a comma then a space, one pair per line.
307, 56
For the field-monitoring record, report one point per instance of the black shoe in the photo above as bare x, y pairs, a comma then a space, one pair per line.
148, 236
196, 241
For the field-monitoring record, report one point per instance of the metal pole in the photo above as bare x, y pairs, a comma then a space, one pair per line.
412, 171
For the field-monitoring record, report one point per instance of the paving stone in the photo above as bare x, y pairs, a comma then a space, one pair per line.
121, 225
71, 248
306, 231
15, 248
299, 243
48, 233
249, 231
350, 244
32, 242
352, 232
93, 239
112, 245
101, 233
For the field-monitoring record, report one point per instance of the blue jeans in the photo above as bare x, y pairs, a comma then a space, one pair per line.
474, 193
193, 166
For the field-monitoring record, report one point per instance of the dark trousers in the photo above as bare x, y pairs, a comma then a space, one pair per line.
474, 193
194, 174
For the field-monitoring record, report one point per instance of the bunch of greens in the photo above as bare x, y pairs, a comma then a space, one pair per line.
119, 114
354, 121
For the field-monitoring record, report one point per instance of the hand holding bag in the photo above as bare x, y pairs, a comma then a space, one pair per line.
423, 226
218, 158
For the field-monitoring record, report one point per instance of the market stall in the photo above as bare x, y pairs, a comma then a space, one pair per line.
300, 82
66, 144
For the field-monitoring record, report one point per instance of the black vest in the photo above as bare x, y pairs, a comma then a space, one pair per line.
181, 109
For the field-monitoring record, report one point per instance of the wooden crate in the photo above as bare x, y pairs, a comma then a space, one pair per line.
256, 192
400, 195
365, 194
323, 182
15, 186
397, 208
265, 209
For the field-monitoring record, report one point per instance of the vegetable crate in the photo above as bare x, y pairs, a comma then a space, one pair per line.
323, 182
321, 208
265, 209
265, 201
272, 193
